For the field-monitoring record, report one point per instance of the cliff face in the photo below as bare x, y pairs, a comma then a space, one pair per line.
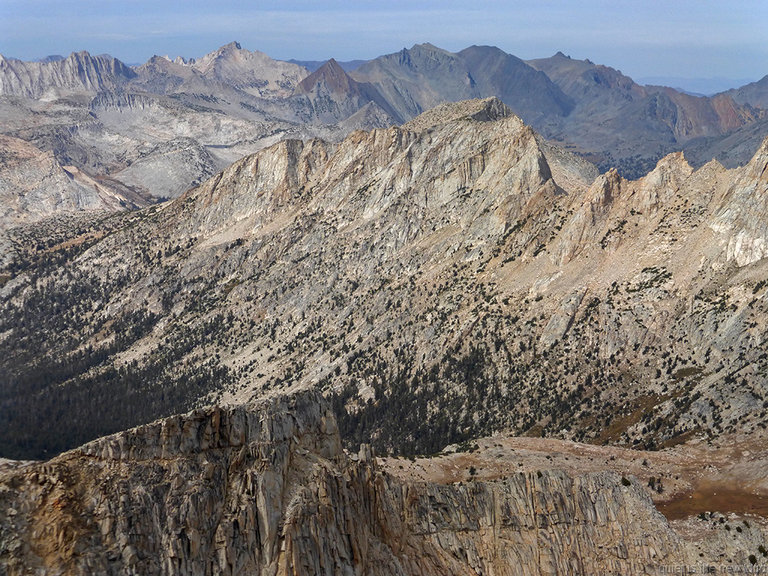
77, 73
187, 495
266, 489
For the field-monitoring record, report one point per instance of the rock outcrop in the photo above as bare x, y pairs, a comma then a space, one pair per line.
267, 489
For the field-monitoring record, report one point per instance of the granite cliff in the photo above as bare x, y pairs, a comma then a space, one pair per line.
267, 489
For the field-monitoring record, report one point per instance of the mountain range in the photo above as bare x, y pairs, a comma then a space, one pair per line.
152, 131
449, 278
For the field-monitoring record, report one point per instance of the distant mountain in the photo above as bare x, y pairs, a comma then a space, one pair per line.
754, 94
583, 80
332, 77
252, 72
79, 72
416, 79
603, 94
313, 65
630, 126
330, 95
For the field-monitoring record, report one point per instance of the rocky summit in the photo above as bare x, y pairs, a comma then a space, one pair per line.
266, 489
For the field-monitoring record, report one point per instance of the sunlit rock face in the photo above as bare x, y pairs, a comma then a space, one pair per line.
266, 489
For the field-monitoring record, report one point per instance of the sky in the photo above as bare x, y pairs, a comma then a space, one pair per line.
649, 38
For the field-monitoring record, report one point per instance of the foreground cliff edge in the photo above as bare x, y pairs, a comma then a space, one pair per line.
267, 489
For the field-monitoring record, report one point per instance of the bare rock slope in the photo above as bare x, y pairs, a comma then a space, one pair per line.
267, 489
455, 266
33, 185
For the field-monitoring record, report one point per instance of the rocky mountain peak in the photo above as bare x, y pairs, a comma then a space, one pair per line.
80, 55
428, 47
102, 62
301, 418
254, 72
477, 159
670, 171
605, 189
210, 61
229, 51
225, 51
579, 78
424, 57
329, 94
478, 110
332, 77
231, 47
425, 76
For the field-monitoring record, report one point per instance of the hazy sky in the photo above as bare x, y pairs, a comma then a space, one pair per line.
680, 38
